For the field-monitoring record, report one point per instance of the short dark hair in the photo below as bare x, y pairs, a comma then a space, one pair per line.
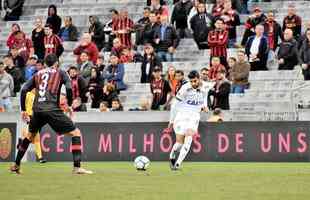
147, 8
220, 19
217, 111
193, 74
86, 52
179, 72
50, 60
204, 69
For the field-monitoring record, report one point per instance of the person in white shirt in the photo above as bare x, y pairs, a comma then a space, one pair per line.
185, 117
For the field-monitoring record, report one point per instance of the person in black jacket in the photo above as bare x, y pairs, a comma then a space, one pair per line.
78, 84
288, 52
96, 31
149, 28
69, 32
305, 56
140, 25
201, 24
53, 19
109, 93
150, 61
273, 31
179, 17
13, 8
95, 85
15, 72
220, 92
38, 39
166, 40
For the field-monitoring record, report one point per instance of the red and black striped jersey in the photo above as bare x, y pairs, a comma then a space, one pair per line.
48, 83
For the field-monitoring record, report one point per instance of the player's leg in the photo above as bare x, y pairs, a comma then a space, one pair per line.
175, 149
35, 125
185, 148
61, 123
37, 148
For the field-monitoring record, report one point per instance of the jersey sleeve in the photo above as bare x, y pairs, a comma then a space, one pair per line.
29, 85
182, 93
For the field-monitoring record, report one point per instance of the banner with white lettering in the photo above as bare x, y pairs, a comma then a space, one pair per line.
229, 141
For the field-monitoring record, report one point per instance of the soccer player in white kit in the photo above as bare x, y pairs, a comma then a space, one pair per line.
185, 116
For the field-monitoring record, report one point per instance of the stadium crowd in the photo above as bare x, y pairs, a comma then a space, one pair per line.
98, 79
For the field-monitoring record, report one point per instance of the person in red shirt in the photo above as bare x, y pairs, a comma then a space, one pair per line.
52, 43
23, 45
11, 38
122, 28
117, 47
87, 45
215, 68
292, 21
273, 31
127, 56
218, 40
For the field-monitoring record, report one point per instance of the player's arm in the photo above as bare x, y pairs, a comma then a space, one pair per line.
28, 86
176, 104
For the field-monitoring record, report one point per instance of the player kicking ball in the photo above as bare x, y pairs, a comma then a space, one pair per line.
185, 116
48, 83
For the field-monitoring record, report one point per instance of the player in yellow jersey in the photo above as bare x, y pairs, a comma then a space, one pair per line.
29, 103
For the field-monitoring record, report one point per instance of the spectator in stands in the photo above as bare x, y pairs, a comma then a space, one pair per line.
218, 41
96, 32
13, 9
23, 45
161, 2
201, 24
220, 92
115, 73
108, 29
231, 20
179, 77
40, 65
192, 12
78, 83
166, 40
116, 105
217, 116
85, 65
11, 39
150, 61
104, 107
292, 21
122, 28
6, 89
127, 56
86, 44
15, 72
38, 38
160, 90
288, 51
69, 32
305, 56
218, 8
257, 50
78, 106
240, 74
273, 31
53, 19
179, 17
117, 47
149, 28
95, 85
100, 66
204, 76
18, 60
52, 43
140, 26
159, 8
170, 77
108, 93
144, 106
256, 18
231, 61
215, 68
31, 67
304, 35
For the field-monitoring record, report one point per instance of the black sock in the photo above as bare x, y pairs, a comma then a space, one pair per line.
76, 151
22, 150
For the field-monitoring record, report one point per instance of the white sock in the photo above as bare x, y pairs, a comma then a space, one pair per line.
176, 148
185, 149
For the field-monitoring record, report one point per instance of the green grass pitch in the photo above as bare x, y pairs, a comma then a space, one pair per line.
119, 180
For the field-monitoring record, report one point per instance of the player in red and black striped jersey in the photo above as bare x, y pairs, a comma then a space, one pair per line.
46, 110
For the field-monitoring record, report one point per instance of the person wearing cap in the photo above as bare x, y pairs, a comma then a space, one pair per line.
6, 88
31, 69
256, 18
292, 21
114, 73
160, 90
150, 61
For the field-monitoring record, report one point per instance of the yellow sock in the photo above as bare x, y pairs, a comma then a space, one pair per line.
37, 145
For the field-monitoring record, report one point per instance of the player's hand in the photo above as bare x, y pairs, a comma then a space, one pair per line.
25, 116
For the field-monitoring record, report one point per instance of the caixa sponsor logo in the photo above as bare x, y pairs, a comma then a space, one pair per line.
5, 143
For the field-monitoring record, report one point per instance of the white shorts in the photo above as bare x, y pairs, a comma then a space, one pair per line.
185, 121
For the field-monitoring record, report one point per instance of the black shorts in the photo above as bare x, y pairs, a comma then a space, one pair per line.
57, 120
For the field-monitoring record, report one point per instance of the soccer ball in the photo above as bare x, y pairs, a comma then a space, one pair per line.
141, 163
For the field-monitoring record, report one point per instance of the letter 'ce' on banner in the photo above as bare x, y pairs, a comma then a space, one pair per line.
229, 141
